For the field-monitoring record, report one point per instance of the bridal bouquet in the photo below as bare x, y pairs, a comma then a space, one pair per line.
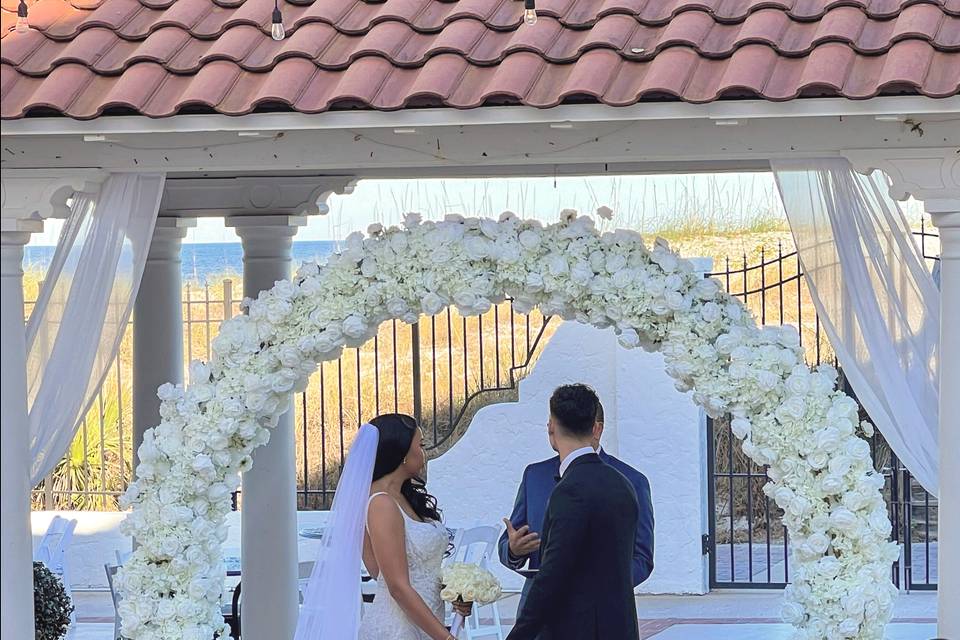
463, 582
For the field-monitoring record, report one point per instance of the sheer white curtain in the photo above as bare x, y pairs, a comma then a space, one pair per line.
877, 302
77, 324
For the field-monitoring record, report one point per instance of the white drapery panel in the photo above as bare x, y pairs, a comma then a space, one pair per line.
877, 302
78, 322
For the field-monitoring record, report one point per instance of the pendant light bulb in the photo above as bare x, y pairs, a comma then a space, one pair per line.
276, 29
530, 12
23, 24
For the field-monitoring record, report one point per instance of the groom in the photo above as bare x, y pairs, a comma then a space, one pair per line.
520, 543
584, 587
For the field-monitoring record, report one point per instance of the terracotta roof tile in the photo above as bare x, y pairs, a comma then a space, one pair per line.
83, 58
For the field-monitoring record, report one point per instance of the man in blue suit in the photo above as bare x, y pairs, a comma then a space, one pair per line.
519, 545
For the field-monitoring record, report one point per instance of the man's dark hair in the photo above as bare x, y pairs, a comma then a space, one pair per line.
574, 406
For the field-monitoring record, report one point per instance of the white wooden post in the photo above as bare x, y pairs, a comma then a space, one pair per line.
933, 176
269, 507
946, 216
157, 325
16, 579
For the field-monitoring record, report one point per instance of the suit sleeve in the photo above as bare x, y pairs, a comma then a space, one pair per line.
643, 545
563, 547
518, 518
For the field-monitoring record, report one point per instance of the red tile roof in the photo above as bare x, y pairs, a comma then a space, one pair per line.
84, 58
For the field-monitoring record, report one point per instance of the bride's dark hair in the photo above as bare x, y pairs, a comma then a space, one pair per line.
397, 431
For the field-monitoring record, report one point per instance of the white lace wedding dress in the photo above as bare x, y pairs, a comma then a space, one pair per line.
426, 543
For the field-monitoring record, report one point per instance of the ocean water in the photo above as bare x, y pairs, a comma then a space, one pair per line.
200, 261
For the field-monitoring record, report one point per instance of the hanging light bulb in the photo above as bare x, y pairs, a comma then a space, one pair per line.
23, 25
276, 29
530, 12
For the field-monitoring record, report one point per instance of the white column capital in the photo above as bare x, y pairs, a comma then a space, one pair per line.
168, 234
926, 174
28, 194
266, 237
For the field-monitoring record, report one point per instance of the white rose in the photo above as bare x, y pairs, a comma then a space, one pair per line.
533, 282
828, 566
726, 343
827, 438
843, 519
710, 312
375, 229
508, 216
203, 465
581, 273
529, 239
741, 427
615, 263
792, 613
848, 628
411, 220
789, 337
675, 301
455, 218
476, 248
605, 212
831, 485
628, 338
397, 307
706, 289
432, 304
623, 278
767, 380
355, 326
799, 381
818, 459
489, 228
667, 261
557, 264
465, 299
329, 339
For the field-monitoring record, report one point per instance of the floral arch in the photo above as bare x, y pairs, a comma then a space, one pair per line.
790, 418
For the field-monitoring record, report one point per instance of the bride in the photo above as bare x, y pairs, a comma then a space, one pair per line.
382, 515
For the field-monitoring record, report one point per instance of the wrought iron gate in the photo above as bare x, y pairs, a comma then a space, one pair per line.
747, 544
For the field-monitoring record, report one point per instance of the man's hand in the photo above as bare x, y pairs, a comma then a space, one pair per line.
522, 541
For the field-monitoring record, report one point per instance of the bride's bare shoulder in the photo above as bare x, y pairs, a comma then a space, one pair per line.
383, 511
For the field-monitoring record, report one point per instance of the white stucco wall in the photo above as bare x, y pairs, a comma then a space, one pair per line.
648, 425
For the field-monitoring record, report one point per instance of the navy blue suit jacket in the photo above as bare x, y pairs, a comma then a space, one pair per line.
537, 484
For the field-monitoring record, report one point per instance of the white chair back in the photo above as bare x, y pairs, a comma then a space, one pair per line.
53, 545
52, 552
477, 545
111, 570
304, 569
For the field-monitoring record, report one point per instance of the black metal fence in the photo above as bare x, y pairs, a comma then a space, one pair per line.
441, 370
747, 542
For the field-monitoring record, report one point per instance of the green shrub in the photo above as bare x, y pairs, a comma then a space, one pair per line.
51, 604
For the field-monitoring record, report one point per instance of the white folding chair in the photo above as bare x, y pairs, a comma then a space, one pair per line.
111, 570
478, 545
304, 569
52, 552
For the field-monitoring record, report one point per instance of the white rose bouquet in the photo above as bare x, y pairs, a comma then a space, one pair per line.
468, 583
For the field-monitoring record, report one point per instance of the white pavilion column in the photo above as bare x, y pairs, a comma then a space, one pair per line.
269, 505
946, 216
157, 325
16, 578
